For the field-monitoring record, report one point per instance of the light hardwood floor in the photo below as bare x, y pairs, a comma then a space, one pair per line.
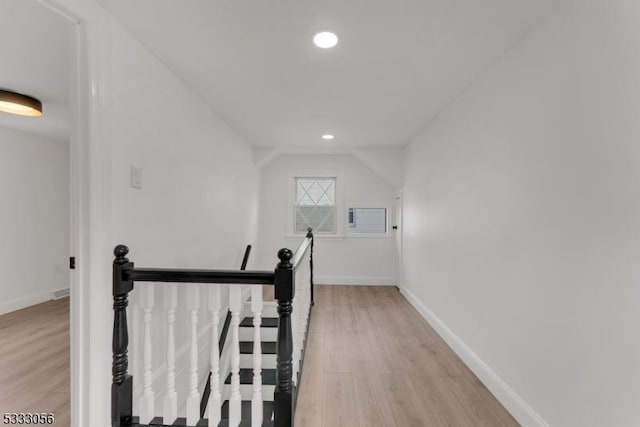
372, 360
34, 360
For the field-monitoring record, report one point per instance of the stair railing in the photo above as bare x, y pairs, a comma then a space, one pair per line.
293, 280
295, 300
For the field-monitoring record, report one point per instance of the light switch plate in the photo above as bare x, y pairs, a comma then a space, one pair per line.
136, 177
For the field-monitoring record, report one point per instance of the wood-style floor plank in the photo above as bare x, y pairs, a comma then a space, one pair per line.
339, 401
34, 360
372, 360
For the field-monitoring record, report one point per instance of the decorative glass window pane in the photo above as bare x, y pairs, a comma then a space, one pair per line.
315, 205
367, 220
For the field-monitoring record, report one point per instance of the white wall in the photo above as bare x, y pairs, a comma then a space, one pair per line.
198, 205
388, 162
345, 260
34, 218
522, 220
197, 208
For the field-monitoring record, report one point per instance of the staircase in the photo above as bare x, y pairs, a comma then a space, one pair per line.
268, 332
265, 343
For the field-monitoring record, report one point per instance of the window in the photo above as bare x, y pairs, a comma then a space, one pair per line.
315, 205
367, 220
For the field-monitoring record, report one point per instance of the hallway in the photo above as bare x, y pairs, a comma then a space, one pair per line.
34, 360
371, 360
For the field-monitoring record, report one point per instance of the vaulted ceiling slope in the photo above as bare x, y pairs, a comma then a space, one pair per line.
397, 63
34, 52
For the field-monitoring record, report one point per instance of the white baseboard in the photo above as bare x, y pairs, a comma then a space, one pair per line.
354, 280
516, 406
24, 302
61, 293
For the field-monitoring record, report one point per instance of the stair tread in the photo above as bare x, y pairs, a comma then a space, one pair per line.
246, 377
267, 322
243, 423
268, 347
157, 421
182, 422
267, 410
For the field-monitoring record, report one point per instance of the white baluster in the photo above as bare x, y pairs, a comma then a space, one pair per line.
148, 396
295, 312
300, 298
235, 401
256, 401
303, 311
193, 399
214, 403
303, 307
307, 285
135, 341
170, 402
306, 295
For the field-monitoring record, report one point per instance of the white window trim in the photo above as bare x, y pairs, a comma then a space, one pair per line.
290, 201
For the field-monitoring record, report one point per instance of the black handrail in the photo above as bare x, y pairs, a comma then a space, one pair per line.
199, 276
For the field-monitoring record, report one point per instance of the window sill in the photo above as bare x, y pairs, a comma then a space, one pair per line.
316, 236
340, 236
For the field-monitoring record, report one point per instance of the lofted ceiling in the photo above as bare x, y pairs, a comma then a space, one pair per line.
34, 47
398, 63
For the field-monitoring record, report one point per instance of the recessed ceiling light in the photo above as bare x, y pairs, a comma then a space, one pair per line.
16, 103
327, 137
325, 40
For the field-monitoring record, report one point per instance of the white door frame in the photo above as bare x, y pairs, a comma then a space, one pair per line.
90, 208
398, 206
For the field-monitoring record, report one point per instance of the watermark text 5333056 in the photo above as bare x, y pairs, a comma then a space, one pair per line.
27, 418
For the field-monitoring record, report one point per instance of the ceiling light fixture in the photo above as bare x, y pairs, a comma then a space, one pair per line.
16, 103
328, 137
325, 40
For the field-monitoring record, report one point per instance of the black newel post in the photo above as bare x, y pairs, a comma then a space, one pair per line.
284, 293
122, 386
310, 235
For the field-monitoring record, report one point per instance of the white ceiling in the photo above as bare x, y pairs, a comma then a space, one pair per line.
34, 47
397, 64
